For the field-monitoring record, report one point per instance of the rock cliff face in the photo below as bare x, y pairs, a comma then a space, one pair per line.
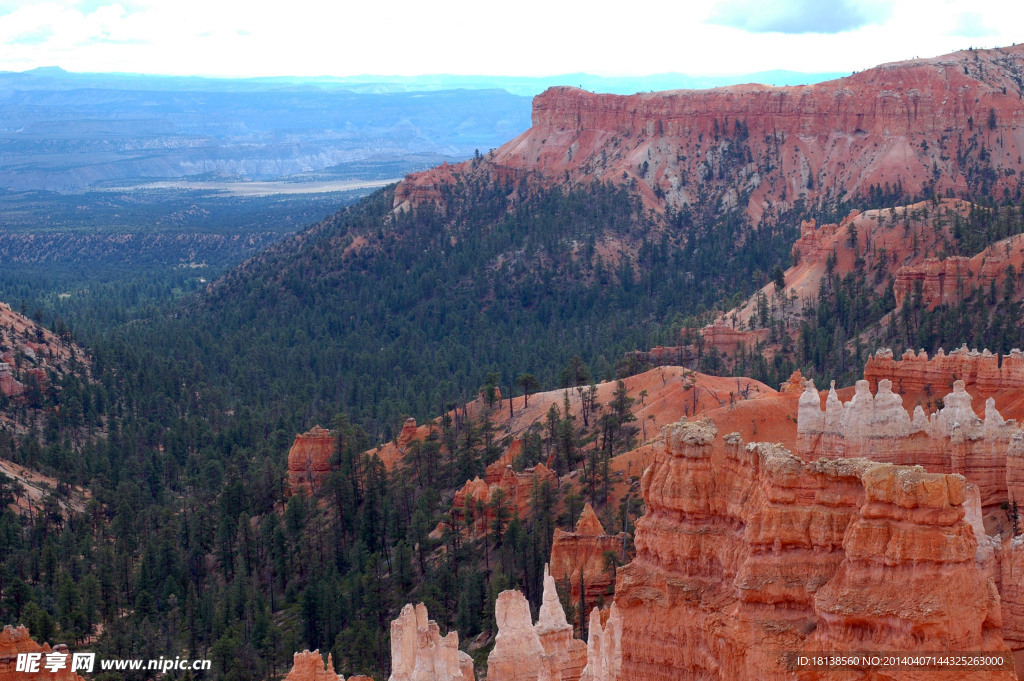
1011, 591
14, 641
747, 551
930, 124
420, 653
982, 371
309, 666
309, 460
580, 554
952, 440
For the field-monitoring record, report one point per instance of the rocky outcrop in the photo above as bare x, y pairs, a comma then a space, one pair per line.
937, 282
918, 373
747, 551
604, 647
564, 656
923, 126
515, 491
952, 440
309, 460
728, 340
17, 640
523, 651
408, 433
309, 666
420, 653
518, 653
8, 384
580, 557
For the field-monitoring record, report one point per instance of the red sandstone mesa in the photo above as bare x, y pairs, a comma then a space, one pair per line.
899, 123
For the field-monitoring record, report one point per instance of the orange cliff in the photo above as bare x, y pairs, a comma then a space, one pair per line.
580, 557
747, 551
14, 641
900, 124
918, 373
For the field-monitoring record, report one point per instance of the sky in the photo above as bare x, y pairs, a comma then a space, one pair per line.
473, 37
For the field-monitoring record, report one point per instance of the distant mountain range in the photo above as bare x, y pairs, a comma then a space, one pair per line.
68, 132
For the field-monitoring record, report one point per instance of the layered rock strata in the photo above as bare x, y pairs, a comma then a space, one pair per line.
951, 440
922, 127
420, 653
579, 557
916, 372
747, 552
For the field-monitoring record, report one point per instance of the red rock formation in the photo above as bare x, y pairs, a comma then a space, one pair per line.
880, 241
309, 666
897, 124
517, 490
408, 433
309, 460
518, 653
1011, 591
939, 282
419, 653
14, 641
728, 340
564, 656
982, 371
946, 282
952, 440
582, 553
747, 551
8, 384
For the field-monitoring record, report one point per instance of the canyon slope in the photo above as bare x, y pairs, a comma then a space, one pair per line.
949, 124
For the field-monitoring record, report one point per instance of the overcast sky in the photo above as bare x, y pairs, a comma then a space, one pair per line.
526, 37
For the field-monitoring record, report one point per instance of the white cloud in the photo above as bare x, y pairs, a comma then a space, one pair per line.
531, 37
